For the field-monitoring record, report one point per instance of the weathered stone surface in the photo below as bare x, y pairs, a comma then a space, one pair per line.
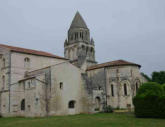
34, 85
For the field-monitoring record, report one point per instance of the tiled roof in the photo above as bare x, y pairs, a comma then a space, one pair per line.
112, 63
30, 51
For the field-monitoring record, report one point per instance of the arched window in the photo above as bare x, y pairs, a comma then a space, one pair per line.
82, 35
23, 104
91, 49
86, 49
71, 104
86, 35
3, 82
112, 90
83, 47
27, 62
76, 35
71, 37
125, 89
3, 62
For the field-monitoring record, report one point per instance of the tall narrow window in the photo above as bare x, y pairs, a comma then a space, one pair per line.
27, 62
112, 90
61, 85
86, 35
86, 49
23, 104
82, 35
3, 82
125, 89
76, 35
3, 62
71, 37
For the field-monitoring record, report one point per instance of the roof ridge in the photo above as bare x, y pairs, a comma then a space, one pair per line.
30, 51
112, 63
9, 46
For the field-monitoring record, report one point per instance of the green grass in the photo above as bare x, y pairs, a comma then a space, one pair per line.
84, 120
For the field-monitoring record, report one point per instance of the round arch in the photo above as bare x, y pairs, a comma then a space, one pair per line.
125, 87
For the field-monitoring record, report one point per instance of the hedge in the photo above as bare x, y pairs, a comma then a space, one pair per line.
150, 101
149, 106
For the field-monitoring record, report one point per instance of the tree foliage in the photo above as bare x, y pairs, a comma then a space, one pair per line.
150, 88
158, 77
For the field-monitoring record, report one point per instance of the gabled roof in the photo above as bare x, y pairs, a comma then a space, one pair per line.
112, 63
30, 51
78, 22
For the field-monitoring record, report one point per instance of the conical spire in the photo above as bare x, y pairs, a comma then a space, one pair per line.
78, 22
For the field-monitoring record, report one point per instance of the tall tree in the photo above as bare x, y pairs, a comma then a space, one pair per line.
158, 77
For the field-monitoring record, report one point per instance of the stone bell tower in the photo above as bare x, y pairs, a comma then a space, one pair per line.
79, 48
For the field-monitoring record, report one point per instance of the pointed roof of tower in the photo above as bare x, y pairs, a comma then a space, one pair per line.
78, 22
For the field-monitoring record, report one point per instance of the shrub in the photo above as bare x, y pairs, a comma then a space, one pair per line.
108, 109
150, 101
150, 88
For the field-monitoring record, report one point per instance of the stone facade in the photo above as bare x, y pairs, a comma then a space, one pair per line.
35, 83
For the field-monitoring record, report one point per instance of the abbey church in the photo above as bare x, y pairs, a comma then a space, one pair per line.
36, 83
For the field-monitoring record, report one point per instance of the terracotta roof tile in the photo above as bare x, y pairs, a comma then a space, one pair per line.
112, 63
30, 51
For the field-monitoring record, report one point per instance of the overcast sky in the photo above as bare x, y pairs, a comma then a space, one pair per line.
132, 30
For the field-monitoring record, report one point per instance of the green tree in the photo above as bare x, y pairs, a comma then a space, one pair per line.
158, 77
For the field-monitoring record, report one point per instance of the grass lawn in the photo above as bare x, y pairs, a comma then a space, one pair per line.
84, 120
